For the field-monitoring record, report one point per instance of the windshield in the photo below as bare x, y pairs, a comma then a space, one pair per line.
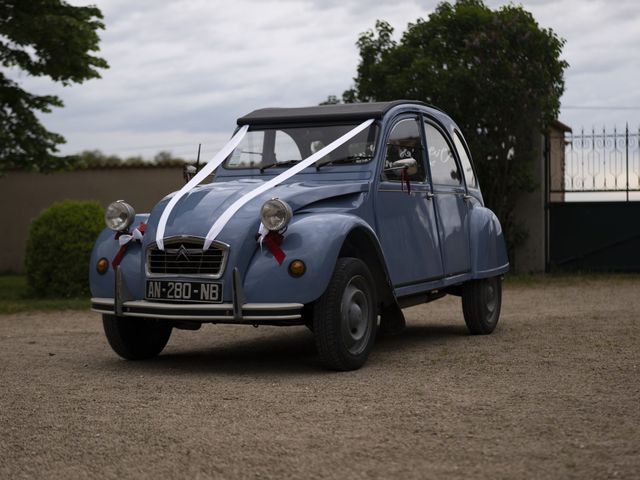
273, 147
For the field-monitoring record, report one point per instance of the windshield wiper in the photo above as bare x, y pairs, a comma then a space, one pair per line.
348, 159
278, 164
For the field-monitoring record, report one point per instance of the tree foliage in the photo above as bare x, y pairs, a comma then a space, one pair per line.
496, 72
42, 38
96, 159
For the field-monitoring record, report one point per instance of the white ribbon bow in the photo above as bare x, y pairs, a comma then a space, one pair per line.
262, 232
124, 239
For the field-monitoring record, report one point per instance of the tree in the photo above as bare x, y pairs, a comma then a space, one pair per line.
331, 100
42, 38
497, 73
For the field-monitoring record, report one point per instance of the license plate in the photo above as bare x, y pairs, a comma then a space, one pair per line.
210, 292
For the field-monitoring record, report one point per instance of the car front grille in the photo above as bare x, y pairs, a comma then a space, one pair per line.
186, 257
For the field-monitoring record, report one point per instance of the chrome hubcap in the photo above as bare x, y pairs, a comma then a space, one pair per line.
355, 312
490, 299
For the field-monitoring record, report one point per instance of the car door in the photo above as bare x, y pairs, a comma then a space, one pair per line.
451, 199
405, 215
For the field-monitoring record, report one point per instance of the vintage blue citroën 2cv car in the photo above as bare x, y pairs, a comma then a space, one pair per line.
334, 217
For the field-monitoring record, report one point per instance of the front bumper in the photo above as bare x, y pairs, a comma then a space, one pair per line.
239, 311
219, 312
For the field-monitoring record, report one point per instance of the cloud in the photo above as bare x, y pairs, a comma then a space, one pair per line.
186, 70
601, 39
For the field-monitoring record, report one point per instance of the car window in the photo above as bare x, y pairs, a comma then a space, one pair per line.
444, 170
404, 142
465, 161
267, 147
249, 152
286, 147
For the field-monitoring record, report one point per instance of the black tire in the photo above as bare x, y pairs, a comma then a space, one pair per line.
481, 302
345, 316
136, 338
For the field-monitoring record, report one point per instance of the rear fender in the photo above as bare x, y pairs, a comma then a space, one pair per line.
488, 248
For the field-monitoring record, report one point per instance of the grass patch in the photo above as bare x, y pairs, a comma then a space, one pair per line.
15, 297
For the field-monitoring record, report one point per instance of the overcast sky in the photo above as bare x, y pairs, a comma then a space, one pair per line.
183, 71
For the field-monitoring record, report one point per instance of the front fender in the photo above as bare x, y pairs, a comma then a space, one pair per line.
314, 238
106, 246
488, 248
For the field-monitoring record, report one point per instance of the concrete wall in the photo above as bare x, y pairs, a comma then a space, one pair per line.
24, 195
530, 256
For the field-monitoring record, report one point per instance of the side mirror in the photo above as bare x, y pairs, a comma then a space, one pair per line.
188, 172
409, 165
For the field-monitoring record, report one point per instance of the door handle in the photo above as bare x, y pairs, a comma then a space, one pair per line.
430, 195
466, 197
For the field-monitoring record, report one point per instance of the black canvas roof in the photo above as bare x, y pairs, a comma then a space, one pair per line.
322, 113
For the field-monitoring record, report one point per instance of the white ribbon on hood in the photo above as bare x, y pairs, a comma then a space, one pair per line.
214, 163
290, 172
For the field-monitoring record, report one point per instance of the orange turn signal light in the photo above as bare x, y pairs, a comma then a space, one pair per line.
102, 266
297, 268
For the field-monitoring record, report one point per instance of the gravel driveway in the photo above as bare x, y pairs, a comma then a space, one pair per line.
553, 393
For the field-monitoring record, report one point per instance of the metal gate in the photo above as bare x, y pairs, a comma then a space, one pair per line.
593, 201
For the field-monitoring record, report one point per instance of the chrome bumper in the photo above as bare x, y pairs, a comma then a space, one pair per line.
237, 312
203, 312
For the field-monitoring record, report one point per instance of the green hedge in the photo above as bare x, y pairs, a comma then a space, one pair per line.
59, 247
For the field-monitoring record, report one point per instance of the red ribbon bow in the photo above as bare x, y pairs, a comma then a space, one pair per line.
272, 240
125, 239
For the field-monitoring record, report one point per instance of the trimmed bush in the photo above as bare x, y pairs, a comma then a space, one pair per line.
59, 247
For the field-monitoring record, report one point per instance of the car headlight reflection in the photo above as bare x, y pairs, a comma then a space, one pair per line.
275, 214
119, 216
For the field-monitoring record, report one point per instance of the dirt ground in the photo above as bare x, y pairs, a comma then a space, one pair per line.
553, 393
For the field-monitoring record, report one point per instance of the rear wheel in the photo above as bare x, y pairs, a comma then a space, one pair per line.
481, 302
136, 338
344, 317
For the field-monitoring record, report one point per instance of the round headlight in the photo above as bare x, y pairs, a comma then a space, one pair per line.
119, 216
275, 214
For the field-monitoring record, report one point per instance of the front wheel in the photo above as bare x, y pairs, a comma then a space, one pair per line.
481, 302
344, 317
136, 338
